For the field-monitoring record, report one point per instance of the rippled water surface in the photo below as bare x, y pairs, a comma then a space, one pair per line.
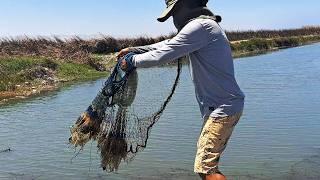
277, 137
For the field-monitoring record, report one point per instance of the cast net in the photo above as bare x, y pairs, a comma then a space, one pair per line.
123, 113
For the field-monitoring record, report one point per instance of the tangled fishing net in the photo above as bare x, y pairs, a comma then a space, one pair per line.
123, 113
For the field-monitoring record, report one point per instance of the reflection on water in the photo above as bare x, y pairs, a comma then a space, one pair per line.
277, 137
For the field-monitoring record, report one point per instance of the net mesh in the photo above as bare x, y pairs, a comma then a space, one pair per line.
121, 123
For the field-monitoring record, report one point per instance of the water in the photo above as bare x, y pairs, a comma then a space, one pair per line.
277, 137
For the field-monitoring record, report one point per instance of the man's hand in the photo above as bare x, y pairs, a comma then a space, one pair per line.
124, 65
126, 62
123, 53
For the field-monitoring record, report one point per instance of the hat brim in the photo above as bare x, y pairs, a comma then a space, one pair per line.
166, 13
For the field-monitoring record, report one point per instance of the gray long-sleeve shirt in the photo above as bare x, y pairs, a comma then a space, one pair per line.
211, 65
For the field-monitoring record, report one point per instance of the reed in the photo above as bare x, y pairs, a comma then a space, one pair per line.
78, 50
268, 34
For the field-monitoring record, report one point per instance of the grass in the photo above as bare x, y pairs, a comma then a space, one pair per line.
262, 44
40, 62
72, 71
31, 71
268, 34
13, 71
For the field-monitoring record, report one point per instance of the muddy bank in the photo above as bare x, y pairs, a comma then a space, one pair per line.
23, 77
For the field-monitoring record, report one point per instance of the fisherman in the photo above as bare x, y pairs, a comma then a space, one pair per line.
221, 101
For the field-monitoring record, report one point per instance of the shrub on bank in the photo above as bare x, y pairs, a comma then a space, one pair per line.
260, 44
243, 35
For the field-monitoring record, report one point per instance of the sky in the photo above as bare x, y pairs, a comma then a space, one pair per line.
132, 18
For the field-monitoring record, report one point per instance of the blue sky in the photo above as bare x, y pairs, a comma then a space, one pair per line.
130, 18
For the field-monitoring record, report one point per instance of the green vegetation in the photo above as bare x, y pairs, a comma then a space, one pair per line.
72, 71
19, 73
257, 45
268, 34
14, 71
34, 64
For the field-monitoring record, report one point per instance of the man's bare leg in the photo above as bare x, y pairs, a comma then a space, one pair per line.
216, 176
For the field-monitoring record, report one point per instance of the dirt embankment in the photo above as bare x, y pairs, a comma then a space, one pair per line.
40, 79
22, 77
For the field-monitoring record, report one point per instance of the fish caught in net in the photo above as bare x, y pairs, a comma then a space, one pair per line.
121, 116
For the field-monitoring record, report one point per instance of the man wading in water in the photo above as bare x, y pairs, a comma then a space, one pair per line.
220, 99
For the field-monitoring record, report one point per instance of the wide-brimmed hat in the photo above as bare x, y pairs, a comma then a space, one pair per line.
168, 11
170, 6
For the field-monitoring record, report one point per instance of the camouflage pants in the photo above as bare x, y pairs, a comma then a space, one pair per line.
212, 142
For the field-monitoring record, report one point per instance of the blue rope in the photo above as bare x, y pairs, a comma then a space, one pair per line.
116, 80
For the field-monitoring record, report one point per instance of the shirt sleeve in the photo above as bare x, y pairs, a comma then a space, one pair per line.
191, 38
147, 48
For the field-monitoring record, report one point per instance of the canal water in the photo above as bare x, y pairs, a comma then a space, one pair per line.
277, 137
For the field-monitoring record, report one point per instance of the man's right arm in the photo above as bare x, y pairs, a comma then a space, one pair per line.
147, 48
142, 49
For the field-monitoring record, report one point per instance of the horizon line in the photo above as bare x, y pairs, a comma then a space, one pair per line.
102, 35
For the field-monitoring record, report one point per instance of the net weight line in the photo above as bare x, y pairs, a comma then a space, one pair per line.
158, 114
